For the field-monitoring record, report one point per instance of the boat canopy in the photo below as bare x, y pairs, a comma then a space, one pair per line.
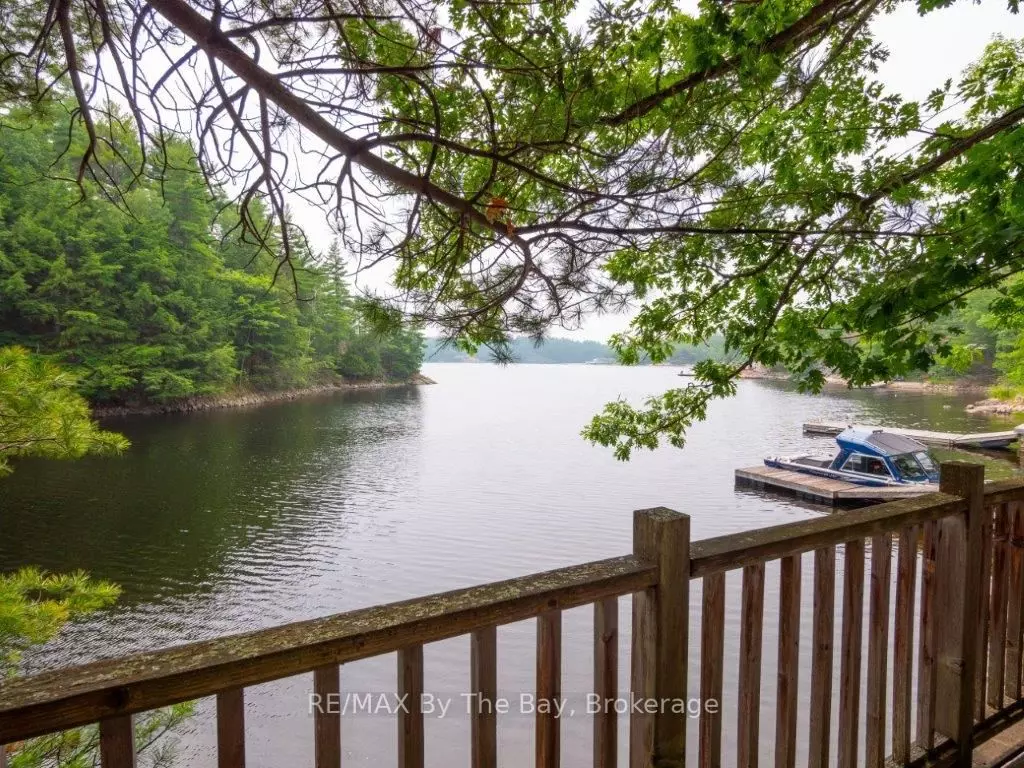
877, 443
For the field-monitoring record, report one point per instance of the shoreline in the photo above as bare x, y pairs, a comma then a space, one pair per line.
959, 387
997, 407
251, 399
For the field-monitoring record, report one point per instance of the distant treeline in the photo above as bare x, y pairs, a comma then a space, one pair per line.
165, 298
561, 351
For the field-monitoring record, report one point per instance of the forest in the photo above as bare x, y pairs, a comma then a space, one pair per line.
167, 296
560, 350
986, 335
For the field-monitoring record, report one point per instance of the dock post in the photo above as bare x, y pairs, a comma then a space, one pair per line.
661, 617
959, 562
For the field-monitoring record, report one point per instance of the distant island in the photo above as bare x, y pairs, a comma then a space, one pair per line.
561, 351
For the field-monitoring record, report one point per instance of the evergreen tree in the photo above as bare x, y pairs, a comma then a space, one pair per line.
41, 414
164, 299
34, 607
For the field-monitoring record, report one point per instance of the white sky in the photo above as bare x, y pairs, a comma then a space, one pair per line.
924, 52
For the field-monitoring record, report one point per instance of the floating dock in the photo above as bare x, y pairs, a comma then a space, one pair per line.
941, 439
822, 489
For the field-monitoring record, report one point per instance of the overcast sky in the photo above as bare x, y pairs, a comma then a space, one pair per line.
924, 51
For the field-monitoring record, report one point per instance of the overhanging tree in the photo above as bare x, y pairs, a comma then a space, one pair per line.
41, 414
738, 170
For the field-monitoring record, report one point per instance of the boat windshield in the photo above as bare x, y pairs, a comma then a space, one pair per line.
926, 461
914, 466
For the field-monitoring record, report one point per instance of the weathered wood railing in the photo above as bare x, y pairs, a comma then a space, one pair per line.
962, 607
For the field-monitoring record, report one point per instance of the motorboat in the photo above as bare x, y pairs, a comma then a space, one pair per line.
874, 457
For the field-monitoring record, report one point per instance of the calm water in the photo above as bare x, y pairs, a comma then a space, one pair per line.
234, 520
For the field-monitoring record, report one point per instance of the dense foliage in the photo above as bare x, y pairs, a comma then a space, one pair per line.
165, 300
986, 334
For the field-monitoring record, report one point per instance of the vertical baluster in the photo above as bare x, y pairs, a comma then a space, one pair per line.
751, 624
1014, 603
117, 742
789, 662
997, 607
950, 575
410, 716
643, 677
958, 606
712, 650
327, 717
960, 665
821, 657
483, 660
549, 687
606, 681
982, 630
850, 654
231, 729
878, 650
3, 756
903, 642
926, 651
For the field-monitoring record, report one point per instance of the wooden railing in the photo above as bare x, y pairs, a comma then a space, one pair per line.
962, 607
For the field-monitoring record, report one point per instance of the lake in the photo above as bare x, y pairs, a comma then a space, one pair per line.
233, 520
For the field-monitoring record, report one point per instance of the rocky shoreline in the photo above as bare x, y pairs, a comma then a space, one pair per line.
252, 399
953, 387
997, 407
963, 386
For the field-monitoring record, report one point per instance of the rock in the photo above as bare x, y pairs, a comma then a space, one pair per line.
992, 405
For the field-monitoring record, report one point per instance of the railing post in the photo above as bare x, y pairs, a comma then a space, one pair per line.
327, 717
231, 728
410, 716
483, 723
117, 742
959, 562
547, 737
660, 640
606, 681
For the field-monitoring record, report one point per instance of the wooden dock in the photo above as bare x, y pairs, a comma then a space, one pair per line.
824, 490
941, 439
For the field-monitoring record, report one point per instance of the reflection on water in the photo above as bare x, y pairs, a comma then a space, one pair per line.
233, 520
